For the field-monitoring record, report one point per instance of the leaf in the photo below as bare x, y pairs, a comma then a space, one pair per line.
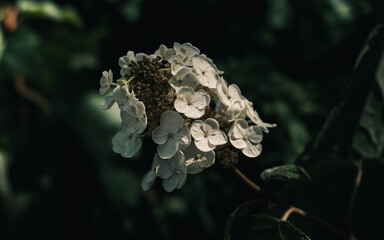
263, 226
355, 126
288, 231
284, 173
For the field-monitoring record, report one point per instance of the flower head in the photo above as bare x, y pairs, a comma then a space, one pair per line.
167, 96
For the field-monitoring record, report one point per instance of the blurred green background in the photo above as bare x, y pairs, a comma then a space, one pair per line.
59, 177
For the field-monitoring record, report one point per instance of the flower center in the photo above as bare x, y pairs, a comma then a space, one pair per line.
170, 135
177, 171
203, 72
189, 103
245, 138
198, 156
205, 135
229, 96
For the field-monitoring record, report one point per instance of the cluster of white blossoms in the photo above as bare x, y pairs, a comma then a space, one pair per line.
180, 99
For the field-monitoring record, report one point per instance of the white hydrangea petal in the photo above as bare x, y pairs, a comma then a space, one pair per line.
234, 92
210, 126
181, 105
140, 56
148, 180
131, 147
182, 177
238, 143
165, 169
197, 131
176, 66
252, 150
105, 81
171, 183
189, 80
171, 120
233, 111
194, 113
108, 103
208, 159
203, 145
196, 160
209, 79
264, 126
255, 134
200, 99
185, 51
194, 168
160, 135
240, 128
183, 78
218, 138
168, 149
127, 146
183, 137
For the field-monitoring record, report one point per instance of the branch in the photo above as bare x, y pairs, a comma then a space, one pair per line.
356, 186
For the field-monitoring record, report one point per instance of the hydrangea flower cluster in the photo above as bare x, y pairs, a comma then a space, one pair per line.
179, 98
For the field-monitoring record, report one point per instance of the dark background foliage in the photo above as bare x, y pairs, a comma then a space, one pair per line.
59, 177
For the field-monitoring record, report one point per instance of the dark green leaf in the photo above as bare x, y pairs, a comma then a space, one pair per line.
288, 231
356, 124
263, 221
284, 173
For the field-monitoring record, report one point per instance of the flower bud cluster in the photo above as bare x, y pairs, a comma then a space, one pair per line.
179, 98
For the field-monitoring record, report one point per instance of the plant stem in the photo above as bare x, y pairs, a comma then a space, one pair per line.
356, 186
290, 208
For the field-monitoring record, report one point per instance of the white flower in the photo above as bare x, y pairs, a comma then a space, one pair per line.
207, 134
165, 53
183, 78
106, 81
185, 51
230, 96
173, 171
134, 118
192, 104
150, 177
126, 145
171, 135
140, 56
108, 103
254, 116
123, 97
246, 138
196, 160
176, 65
206, 71
125, 61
